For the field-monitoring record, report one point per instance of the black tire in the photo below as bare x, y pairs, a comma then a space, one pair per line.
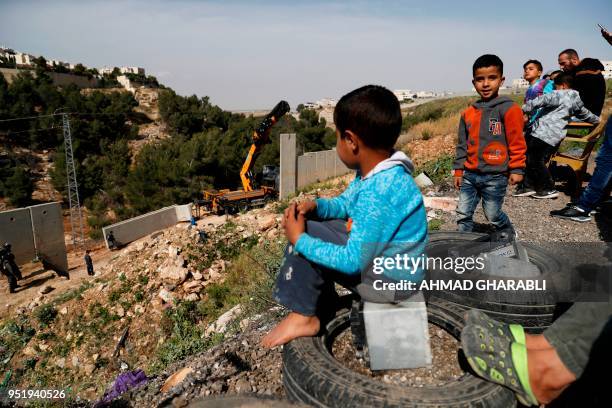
535, 310
313, 376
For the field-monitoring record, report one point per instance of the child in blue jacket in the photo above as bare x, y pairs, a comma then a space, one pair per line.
361, 238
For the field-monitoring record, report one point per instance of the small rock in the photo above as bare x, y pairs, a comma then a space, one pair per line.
220, 325
120, 311
46, 289
88, 369
124, 366
192, 297
166, 296
60, 362
192, 286
243, 386
64, 310
139, 309
75, 361
176, 379
197, 276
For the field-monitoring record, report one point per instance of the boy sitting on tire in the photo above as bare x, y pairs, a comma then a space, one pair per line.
379, 219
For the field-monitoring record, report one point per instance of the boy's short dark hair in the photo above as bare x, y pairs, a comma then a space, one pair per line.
564, 79
488, 60
373, 113
537, 63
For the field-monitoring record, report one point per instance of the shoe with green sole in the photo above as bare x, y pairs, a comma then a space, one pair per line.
512, 332
498, 360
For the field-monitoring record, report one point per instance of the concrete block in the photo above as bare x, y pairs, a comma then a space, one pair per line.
183, 212
138, 227
447, 204
48, 231
302, 174
506, 267
16, 229
397, 334
288, 164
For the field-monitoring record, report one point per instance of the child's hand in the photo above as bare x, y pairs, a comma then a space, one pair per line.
294, 224
525, 117
515, 178
307, 206
457, 181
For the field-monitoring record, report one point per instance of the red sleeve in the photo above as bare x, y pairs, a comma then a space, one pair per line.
513, 122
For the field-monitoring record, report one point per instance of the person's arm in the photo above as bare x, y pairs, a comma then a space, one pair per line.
337, 207
517, 148
543, 101
583, 114
461, 149
374, 222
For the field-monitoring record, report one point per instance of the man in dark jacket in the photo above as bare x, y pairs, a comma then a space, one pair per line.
588, 78
89, 263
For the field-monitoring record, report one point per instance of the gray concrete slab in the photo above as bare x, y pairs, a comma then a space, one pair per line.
397, 335
16, 229
288, 164
48, 231
138, 227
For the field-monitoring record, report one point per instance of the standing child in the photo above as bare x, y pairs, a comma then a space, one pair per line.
532, 71
490, 149
378, 217
549, 130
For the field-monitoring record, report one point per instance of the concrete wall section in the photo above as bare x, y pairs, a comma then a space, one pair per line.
16, 229
183, 212
48, 230
138, 227
59, 79
288, 164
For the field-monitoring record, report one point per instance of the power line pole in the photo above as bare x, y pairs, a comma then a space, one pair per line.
73, 187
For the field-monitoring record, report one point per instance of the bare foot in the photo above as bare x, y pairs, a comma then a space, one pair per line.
291, 327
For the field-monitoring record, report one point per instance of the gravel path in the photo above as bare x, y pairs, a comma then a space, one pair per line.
532, 221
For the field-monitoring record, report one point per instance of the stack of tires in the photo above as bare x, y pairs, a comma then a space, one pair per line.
313, 376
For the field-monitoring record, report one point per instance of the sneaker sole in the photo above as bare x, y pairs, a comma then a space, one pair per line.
555, 195
577, 219
530, 193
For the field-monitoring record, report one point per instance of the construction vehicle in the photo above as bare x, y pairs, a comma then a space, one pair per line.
226, 201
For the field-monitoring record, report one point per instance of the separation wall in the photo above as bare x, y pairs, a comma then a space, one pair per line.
16, 229
48, 230
130, 230
311, 167
36, 232
59, 79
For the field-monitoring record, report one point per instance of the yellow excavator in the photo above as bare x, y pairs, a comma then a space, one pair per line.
226, 201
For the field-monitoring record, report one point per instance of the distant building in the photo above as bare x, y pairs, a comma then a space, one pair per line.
7, 53
520, 83
403, 94
326, 103
607, 73
106, 71
311, 105
132, 70
425, 94
56, 63
24, 59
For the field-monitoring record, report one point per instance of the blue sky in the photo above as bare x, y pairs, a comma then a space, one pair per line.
249, 55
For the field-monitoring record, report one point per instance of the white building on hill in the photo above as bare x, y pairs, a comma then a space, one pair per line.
520, 83
607, 69
403, 94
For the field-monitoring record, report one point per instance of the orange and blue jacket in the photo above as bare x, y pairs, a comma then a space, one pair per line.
491, 138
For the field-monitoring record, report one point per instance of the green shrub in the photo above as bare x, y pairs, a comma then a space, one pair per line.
45, 314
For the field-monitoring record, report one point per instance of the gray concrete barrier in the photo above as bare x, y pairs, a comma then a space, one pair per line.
130, 230
16, 229
36, 232
311, 167
48, 230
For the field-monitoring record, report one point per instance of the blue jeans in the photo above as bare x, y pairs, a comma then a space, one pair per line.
492, 189
602, 174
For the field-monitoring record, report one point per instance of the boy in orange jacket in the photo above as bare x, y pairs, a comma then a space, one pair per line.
490, 150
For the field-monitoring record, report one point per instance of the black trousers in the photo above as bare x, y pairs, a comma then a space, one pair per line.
537, 175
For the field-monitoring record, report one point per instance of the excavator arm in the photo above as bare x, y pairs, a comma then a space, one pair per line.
261, 137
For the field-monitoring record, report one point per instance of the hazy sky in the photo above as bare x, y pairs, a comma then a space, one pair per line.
248, 55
